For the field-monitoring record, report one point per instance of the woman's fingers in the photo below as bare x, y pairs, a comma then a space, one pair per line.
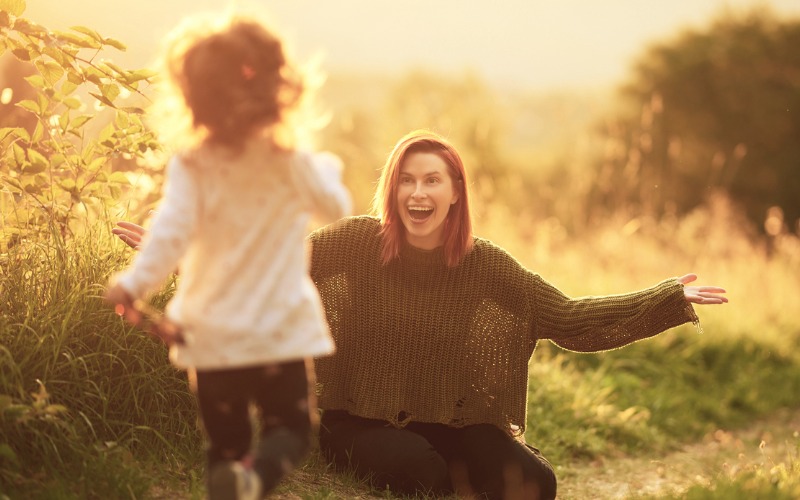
705, 295
130, 226
129, 233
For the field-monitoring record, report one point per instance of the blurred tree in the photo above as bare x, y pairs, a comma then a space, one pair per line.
711, 110
463, 109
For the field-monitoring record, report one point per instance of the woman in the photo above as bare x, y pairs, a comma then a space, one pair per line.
434, 330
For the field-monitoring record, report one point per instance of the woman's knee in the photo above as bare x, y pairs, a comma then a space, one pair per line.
397, 459
501, 465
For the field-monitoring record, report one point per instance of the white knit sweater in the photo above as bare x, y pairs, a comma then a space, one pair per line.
236, 226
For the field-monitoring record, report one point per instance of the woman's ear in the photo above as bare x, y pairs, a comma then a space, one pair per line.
456, 192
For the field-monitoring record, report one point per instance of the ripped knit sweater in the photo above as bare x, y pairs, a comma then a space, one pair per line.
418, 341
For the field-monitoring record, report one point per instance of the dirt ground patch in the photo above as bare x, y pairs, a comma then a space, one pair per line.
723, 452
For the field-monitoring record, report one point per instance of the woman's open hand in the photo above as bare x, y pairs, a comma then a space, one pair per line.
702, 294
130, 233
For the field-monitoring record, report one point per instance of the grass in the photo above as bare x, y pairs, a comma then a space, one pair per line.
83, 396
90, 408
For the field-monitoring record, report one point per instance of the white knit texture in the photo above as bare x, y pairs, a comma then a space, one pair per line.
236, 226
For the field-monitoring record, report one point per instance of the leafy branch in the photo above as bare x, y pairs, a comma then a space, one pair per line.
60, 161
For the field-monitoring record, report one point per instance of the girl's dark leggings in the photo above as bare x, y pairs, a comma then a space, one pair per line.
437, 459
286, 410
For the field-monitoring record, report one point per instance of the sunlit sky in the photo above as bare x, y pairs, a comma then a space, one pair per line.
537, 44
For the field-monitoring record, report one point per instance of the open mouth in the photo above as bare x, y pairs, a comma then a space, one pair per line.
420, 214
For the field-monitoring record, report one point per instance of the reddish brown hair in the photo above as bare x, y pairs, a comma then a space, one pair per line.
458, 225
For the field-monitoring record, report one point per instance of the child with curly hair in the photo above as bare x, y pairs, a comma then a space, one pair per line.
236, 207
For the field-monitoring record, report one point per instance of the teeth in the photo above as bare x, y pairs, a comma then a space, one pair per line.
421, 209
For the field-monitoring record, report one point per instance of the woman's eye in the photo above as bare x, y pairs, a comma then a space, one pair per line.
433, 180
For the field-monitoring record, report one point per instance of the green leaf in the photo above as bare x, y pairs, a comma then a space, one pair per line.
93, 76
141, 74
56, 160
121, 120
19, 154
11, 182
63, 121
74, 77
13, 132
13, 7
106, 133
88, 31
118, 178
36, 81
68, 87
57, 55
115, 43
50, 71
29, 105
81, 120
102, 99
72, 102
38, 132
37, 159
77, 40
68, 184
110, 91
96, 164
115, 68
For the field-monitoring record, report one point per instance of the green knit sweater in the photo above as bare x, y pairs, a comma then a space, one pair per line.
418, 341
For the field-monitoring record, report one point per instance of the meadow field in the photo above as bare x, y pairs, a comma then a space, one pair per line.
91, 408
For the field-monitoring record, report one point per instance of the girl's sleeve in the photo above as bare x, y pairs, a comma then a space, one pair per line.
168, 238
591, 324
319, 179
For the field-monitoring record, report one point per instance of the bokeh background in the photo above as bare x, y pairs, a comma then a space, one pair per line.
610, 145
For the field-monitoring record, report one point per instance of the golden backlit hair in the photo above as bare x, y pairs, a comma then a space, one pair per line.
224, 81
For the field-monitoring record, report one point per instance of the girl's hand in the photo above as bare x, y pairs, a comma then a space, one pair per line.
123, 303
130, 233
701, 294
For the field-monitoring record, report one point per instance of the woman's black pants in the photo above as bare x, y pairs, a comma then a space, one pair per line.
436, 459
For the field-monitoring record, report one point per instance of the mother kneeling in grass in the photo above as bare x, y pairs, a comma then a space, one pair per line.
434, 330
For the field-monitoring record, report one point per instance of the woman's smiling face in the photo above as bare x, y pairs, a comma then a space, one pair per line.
425, 192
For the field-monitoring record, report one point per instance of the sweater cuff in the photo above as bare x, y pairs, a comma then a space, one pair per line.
683, 312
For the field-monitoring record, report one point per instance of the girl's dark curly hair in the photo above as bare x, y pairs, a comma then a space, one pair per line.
234, 81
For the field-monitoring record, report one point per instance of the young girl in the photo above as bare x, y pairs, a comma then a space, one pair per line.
236, 208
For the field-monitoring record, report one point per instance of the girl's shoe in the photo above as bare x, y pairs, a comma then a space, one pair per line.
233, 481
